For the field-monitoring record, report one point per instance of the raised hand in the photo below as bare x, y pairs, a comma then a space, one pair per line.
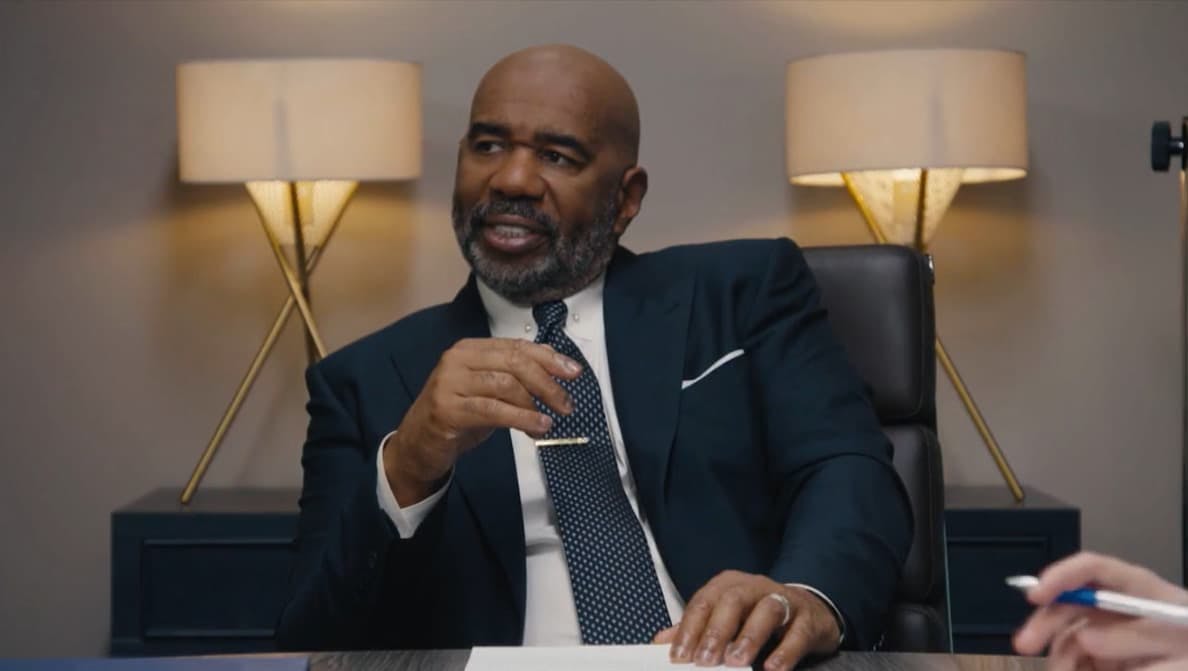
478, 386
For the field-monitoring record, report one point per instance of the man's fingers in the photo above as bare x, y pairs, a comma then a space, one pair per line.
500, 385
527, 364
553, 361
697, 614
766, 617
727, 616
478, 411
792, 648
665, 636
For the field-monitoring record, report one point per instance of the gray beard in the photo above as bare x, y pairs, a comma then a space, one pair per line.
570, 264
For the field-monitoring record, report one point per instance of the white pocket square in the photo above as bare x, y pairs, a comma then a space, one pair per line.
685, 384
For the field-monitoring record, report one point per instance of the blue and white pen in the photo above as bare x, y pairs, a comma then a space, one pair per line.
1111, 601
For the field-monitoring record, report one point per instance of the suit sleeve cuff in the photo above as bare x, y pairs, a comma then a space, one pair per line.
841, 623
409, 518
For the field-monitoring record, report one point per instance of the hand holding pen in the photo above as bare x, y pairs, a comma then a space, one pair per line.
1080, 637
1114, 602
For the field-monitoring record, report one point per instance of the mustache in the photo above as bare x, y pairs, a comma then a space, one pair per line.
513, 207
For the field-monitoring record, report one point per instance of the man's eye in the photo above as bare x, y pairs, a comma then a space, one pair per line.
555, 158
487, 146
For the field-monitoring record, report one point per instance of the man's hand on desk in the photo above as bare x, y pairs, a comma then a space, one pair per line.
734, 615
478, 385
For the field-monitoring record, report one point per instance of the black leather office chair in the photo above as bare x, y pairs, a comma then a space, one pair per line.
879, 299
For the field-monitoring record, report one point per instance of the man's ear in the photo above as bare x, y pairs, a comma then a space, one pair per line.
632, 189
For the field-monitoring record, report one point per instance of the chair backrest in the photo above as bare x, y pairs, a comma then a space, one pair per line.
879, 301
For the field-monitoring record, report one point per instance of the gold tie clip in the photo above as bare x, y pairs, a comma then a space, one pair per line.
554, 442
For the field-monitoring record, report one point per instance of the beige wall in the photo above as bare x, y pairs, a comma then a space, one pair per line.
130, 304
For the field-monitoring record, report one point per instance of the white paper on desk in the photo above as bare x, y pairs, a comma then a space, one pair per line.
575, 658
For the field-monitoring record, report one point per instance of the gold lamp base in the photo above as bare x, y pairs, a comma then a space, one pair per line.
925, 223
284, 207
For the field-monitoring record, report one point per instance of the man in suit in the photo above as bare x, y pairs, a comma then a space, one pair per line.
588, 445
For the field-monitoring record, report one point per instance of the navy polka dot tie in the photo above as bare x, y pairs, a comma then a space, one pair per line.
615, 588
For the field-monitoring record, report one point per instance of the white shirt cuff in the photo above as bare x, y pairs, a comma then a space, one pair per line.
841, 623
405, 519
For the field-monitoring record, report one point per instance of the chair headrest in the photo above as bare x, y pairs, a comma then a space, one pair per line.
879, 301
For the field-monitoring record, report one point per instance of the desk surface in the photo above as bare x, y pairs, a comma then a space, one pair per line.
455, 660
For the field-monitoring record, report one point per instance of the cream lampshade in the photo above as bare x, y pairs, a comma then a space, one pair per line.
323, 124
902, 130
300, 134
885, 120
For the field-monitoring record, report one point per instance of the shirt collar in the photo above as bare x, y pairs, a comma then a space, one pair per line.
509, 320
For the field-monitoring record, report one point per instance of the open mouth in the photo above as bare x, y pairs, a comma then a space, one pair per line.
511, 234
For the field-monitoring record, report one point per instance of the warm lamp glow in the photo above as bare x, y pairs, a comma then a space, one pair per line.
893, 197
300, 134
968, 175
298, 120
323, 124
902, 130
881, 117
320, 204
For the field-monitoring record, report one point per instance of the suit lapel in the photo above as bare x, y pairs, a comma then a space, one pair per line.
646, 319
485, 476
482, 476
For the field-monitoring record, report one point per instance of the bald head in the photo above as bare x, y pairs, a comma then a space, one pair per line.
571, 79
548, 176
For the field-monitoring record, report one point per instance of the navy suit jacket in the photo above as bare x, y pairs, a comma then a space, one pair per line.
774, 463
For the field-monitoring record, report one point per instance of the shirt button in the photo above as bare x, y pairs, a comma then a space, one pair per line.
527, 328
575, 317
371, 560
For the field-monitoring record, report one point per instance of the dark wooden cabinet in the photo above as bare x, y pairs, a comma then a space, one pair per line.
206, 578
212, 577
990, 537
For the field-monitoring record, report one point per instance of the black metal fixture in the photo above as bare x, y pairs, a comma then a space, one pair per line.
1164, 147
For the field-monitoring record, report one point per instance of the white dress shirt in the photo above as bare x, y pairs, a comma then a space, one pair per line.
550, 617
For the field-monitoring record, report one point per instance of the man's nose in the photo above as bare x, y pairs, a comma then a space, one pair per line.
518, 175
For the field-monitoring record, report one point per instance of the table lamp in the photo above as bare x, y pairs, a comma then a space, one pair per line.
300, 134
901, 130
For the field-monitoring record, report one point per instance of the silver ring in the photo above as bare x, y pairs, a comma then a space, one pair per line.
783, 601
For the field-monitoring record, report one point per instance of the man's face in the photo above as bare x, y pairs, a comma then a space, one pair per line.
537, 189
